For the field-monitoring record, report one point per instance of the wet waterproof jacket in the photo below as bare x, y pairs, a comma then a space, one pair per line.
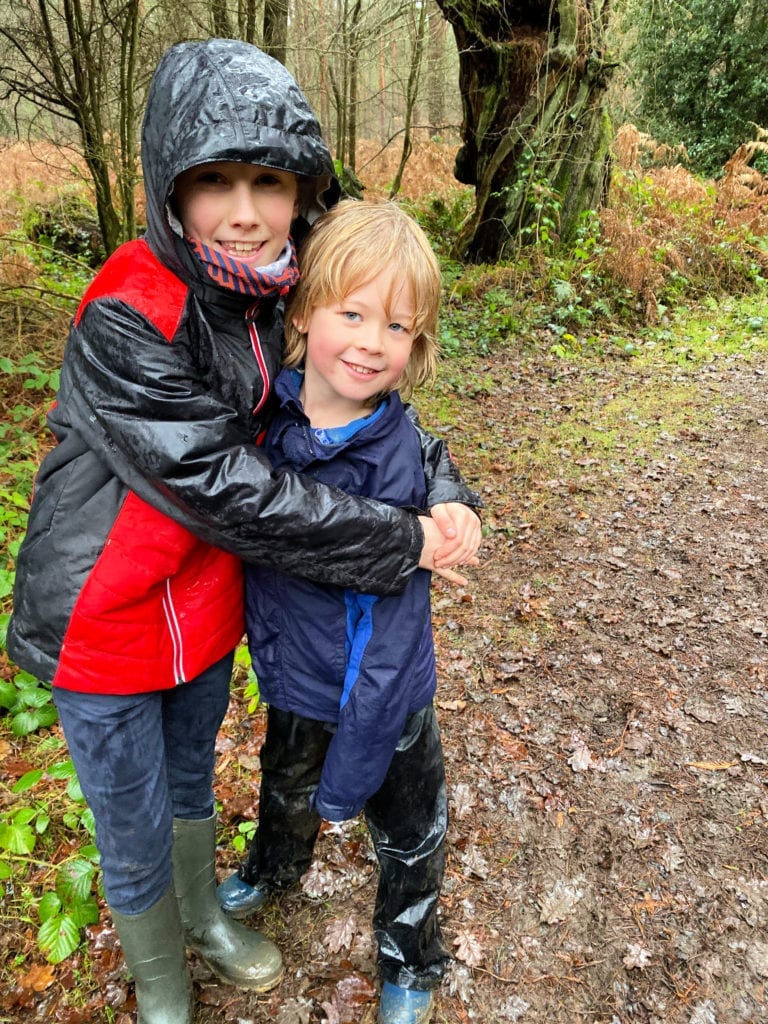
129, 578
333, 654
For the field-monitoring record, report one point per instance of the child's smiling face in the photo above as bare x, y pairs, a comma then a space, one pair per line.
243, 210
358, 347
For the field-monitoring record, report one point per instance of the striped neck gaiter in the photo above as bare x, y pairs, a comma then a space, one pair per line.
261, 283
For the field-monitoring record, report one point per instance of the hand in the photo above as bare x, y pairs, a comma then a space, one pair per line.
434, 540
462, 533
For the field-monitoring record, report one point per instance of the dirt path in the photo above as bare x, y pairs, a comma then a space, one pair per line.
604, 704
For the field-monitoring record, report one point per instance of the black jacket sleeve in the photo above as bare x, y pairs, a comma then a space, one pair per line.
444, 481
143, 406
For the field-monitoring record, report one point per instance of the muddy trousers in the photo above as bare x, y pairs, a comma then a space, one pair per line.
406, 818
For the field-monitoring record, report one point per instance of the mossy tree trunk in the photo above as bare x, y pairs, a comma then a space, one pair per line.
536, 135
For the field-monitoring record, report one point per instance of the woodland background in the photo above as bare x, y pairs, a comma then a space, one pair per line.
603, 679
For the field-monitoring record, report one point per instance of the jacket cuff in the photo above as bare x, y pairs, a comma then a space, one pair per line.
335, 812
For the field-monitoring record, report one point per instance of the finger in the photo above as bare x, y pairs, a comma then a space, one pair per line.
453, 577
443, 520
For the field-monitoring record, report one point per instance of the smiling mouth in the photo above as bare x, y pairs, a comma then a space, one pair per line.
365, 370
242, 249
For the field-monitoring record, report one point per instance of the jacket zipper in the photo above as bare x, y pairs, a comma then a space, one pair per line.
175, 631
259, 355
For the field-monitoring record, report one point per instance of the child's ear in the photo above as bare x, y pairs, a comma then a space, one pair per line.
299, 325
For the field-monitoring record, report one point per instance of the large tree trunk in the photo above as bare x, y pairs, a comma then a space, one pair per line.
535, 133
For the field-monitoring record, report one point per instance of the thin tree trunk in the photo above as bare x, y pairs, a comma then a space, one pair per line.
275, 36
411, 93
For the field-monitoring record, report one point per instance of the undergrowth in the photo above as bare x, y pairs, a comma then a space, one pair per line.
670, 274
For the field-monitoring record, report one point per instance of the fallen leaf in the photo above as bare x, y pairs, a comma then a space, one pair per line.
559, 903
451, 705
462, 800
340, 933
38, 978
637, 957
469, 949
711, 766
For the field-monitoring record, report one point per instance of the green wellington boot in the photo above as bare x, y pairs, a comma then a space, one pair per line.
237, 955
153, 948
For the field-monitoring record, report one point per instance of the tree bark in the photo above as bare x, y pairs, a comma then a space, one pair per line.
276, 28
411, 93
535, 132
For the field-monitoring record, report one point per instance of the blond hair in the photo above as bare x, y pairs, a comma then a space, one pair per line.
346, 249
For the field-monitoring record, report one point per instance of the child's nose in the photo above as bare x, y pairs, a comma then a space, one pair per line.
245, 209
372, 339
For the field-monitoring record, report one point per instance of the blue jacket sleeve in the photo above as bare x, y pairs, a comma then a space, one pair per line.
390, 673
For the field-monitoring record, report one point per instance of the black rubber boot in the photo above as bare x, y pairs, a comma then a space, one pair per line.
153, 947
237, 955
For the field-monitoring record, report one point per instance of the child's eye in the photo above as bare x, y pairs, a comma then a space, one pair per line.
268, 180
211, 178
400, 328
348, 314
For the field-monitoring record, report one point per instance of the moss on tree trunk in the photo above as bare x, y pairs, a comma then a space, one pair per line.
536, 136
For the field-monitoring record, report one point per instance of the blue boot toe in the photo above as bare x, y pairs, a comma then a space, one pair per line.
404, 1005
238, 899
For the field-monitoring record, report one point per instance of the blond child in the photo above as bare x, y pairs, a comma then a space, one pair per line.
349, 677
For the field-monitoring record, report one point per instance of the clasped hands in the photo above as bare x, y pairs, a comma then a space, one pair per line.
452, 537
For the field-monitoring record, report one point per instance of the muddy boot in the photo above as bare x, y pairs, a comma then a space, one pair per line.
153, 948
240, 900
237, 955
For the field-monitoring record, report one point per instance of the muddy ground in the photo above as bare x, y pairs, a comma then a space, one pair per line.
604, 705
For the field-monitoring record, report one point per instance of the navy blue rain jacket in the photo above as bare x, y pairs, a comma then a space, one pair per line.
331, 654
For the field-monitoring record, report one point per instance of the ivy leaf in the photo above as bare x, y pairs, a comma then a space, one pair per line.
17, 838
27, 781
74, 792
8, 693
49, 906
85, 913
29, 721
62, 770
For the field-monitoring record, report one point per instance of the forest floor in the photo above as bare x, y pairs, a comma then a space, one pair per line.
603, 700
604, 707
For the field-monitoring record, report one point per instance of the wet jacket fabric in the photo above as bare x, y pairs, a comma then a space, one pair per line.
333, 654
129, 578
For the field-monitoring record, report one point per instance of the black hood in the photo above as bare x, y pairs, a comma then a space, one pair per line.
222, 99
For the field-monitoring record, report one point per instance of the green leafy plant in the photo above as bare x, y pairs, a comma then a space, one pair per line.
66, 908
28, 702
